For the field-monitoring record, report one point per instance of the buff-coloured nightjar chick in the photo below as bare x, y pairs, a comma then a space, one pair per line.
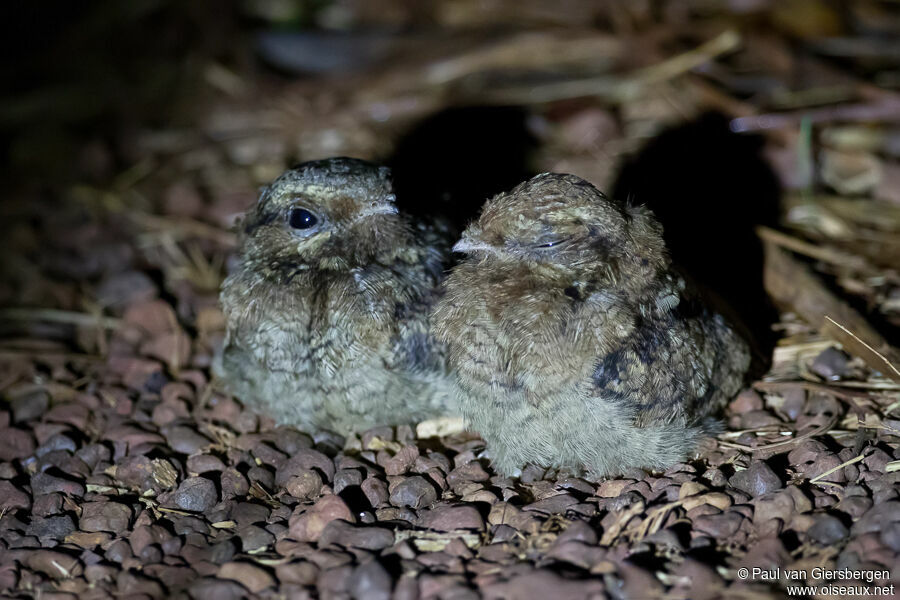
574, 341
327, 309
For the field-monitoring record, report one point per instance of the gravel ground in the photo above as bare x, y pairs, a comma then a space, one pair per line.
132, 476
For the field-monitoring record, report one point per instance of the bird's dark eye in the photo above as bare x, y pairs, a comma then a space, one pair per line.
300, 218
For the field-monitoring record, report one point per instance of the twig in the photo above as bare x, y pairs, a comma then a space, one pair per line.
185, 228
66, 317
837, 468
809, 386
791, 282
791, 442
610, 535
823, 253
615, 88
886, 108
876, 360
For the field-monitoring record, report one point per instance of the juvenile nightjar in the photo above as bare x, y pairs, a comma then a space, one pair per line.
574, 340
327, 309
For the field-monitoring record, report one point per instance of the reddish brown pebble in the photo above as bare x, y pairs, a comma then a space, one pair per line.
827, 529
415, 492
301, 572
757, 479
12, 498
451, 518
105, 516
402, 461
376, 492
44, 483
195, 494
56, 565
347, 535
307, 524
305, 484
304, 460
370, 581
719, 526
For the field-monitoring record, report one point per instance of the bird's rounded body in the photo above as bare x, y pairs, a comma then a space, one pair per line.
329, 329
574, 342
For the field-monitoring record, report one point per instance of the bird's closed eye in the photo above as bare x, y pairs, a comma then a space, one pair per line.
550, 243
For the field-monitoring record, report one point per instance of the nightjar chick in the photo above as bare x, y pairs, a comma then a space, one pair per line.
575, 342
327, 308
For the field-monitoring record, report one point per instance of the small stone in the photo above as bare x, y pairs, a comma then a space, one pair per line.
890, 535
233, 483
347, 535
578, 531
307, 525
376, 492
105, 516
195, 494
298, 572
757, 479
290, 441
252, 577
204, 463
415, 492
53, 528
827, 529
748, 400
370, 581
263, 476
247, 513
254, 537
612, 488
267, 455
719, 526
89, 540
43, 483
554, 505
758, 419
878, 517
15, 444
119, 290
185, 440
307, 484
346, 478
304, 460
402, 461
136, 472
119, 551
544, 583
451, 518
469, 472
29, 405
12, 498
690, 488
56, 565
831, 364
210, 588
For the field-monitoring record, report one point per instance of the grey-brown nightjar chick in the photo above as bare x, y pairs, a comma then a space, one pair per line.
327, 309
574, 341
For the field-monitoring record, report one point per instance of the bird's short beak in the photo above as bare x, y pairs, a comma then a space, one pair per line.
384, 208
470, 245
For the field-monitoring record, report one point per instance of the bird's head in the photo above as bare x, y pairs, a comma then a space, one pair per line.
563, 221
332, 214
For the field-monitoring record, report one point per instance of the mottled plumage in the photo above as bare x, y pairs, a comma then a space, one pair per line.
574, 341
327, 309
